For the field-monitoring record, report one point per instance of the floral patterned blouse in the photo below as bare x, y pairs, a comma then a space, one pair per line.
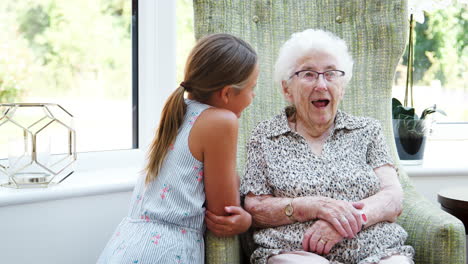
280, 163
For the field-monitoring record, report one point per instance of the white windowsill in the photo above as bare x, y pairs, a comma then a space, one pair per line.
79, 184
442, 158
96, 173
433, 171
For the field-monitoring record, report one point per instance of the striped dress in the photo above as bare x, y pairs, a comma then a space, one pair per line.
166, 219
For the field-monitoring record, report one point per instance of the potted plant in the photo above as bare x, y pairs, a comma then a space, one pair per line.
411, 131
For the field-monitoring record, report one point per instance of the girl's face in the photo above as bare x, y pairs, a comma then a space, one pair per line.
243, 98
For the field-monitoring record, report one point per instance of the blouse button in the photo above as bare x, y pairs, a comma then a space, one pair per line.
255, 19
339, 19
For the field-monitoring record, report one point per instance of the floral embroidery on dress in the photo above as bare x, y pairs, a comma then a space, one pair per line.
155, 238
193, 117
138, 198
164, 191
120, 248
145, 216
179, 259
199, 176
116, 236
183, 231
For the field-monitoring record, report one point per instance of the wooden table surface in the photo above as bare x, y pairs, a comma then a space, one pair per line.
455, 202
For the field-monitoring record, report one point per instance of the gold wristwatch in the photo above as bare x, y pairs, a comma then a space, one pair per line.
289, 210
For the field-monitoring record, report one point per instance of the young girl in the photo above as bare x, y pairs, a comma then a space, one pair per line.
192, 161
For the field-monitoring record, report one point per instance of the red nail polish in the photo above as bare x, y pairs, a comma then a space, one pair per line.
364, 217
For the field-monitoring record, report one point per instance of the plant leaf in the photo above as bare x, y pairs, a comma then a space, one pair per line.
396, 111
401, 112
431, 110
395, 103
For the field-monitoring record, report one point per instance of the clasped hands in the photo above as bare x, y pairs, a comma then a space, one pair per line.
336, 220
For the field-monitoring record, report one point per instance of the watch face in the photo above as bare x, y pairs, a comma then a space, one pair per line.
288, 210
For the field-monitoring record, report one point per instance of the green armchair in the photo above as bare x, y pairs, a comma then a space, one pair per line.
376, 32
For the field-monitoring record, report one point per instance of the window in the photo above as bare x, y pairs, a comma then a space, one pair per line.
440, 74
80, 55
185, 34
440, 64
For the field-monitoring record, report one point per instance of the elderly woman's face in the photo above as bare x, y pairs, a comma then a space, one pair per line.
316, 99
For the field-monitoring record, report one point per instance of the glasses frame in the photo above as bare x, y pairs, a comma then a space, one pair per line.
318, 73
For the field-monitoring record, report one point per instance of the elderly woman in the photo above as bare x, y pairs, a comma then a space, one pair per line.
319, 183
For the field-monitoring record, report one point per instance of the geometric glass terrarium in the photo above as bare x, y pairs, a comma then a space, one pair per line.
37, 144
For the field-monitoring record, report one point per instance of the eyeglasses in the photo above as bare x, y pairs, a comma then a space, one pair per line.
312, 76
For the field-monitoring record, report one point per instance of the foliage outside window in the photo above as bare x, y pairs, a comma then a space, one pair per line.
77, 53
185, 35
440, 66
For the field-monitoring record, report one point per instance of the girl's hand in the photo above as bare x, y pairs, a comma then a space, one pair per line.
320, 238
343, 216
238, 221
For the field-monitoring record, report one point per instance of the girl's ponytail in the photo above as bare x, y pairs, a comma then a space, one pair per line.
171, 120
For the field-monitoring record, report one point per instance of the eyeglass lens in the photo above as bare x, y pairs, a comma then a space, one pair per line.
313, 75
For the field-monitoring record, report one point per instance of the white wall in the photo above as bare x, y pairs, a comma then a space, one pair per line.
69, 231
429, 186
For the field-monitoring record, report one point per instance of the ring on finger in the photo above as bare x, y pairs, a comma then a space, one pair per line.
322, 241
344, 219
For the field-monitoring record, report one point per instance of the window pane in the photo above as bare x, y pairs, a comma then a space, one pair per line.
440, 64
76, 53
185, 34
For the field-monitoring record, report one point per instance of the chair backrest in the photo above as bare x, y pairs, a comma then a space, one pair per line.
375, 31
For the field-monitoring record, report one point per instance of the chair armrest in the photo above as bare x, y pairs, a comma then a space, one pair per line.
222, 250
436, 236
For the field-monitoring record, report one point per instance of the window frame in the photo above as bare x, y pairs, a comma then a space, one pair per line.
156, 80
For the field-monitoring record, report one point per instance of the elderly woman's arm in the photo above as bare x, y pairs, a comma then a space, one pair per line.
268, 211
386, 205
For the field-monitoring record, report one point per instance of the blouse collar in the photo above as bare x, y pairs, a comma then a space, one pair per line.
279, 123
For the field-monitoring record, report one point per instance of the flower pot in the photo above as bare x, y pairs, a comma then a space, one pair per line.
410, 139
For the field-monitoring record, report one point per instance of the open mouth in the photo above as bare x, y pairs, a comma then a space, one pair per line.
321, 103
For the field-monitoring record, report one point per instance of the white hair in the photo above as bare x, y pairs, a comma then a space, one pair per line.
302, 44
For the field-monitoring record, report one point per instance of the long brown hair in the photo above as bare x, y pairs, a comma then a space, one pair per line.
216, 61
